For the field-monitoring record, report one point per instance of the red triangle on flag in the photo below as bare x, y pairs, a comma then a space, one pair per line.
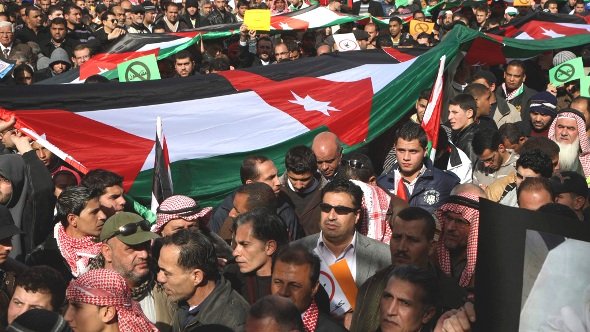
344, 107
94, 144
485, 52
104, 62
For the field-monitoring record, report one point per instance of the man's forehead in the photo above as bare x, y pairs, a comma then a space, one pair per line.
417, 225
567, 121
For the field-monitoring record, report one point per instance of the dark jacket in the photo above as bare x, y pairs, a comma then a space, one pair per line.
462, 139
216, 17
284, 211
327, 324
47, 47
32, 201
307, 206
200, 21
248, 59
26, 34
432, 188
375, 8
223, 306
47, 253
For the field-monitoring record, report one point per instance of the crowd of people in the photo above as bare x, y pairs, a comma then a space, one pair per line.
336, 242
48, 38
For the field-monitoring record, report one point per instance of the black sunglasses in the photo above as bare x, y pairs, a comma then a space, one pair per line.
353, 163
130, 229
339, 209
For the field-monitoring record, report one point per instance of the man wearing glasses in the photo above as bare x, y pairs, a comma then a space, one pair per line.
339, 241
110, 30
126, 248
495, 160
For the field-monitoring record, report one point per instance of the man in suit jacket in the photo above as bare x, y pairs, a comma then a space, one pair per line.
338, 239
7, 41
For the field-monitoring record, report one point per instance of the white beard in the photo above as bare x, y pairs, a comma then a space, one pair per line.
568, 156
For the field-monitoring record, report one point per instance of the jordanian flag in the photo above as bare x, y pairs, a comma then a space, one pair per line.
212, 122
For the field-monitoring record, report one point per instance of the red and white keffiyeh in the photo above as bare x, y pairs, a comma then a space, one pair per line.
373, 220
103, 287
76, 252
584, 156
310, 317
180, 207
472, 216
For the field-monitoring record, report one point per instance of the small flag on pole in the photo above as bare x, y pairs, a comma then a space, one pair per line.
431, 120
162, 180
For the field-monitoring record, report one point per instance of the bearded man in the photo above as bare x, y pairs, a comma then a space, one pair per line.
568, 130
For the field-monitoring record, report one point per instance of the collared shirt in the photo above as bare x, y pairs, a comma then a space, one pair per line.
329, 258
2, 48
409, 185
148, 306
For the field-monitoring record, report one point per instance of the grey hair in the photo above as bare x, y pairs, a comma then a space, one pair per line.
4, 24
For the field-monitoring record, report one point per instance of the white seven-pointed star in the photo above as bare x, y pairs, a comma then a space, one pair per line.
309, 104
102, 70
551, 33
285, 26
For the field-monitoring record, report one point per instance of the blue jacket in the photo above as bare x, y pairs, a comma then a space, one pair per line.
432, 188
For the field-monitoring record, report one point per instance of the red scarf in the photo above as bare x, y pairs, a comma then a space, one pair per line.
310, 317
76, 252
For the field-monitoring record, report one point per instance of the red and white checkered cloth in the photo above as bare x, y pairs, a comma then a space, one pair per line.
180, 207
373, 220
76, 252
103, 287
310, 317
584, 156
472, 216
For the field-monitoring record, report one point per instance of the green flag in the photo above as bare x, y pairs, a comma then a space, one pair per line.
401, 3
144, 68
566, 72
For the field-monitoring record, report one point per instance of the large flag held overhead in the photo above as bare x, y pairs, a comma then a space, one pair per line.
213, 122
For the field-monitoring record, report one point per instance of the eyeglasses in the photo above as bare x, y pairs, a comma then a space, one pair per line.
130, 229
490, 159
353, 163
339, 209
114, 20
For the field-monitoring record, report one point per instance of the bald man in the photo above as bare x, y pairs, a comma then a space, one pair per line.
328, 151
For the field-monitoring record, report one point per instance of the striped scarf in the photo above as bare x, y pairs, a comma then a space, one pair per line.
76, 252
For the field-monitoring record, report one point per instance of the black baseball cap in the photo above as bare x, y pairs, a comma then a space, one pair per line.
569, 182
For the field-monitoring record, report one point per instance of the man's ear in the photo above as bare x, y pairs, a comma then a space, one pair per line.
249, 181
107, 314
470, 114
106, 252
373, 180
501, 148
72, 220
270, 247
579, 202
197, 276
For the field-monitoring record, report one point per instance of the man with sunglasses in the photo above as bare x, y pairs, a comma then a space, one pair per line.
339, 241
126, 248
495, 160
110, 30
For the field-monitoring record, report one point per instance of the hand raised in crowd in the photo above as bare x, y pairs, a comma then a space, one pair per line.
457, 320
5, 125
116, 33
552, 89
22, 142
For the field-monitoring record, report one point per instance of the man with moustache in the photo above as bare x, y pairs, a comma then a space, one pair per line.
543, 109
125, 248
412, 242
568, 130
190, 277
